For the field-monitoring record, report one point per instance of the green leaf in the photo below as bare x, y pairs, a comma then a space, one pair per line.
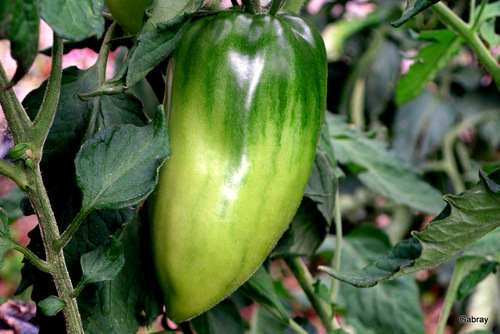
74, 20
223, 318
119, 167
381, 170
51, 305
167, 10
305, 233
467, 218
389, 307
260, 288
155, 46
6, 242
488, 33
103, 263
413, 7
420, 126
432, 58
115, 306
11, 204
491, 10
475, 277
486, 246
19, 22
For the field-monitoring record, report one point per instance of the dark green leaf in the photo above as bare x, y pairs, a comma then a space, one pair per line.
6, 242
305, 233
259, 288
223, 318
475, 277
11, 204
74, 20
155, 46
486, 246
432, 58
51, 305
466, 219
103, 263
413, 7
390, 307
381, 170
19, 23
420, 126
167, 10
115, 306
115, 169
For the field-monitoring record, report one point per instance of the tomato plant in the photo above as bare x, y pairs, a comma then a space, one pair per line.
226, 166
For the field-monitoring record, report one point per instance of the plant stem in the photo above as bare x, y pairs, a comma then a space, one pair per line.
15, 172
472, 11
35, 260
70, 231
337, 216
478, 16
306, 281
55, 257
101, 63
48, 109
78, 289
19, 122
464, 31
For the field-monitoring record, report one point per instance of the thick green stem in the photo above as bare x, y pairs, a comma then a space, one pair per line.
337, 216
19, 122
306, 281
70, 231
101, 63
55, 257
465, 31
15, 172
35, 260
48, 109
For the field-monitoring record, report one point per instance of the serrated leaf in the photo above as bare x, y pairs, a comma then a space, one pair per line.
413, 7
390, 307
432, 58
6, 242
379, 169
114, 306
51, 305
475, 277
19, 22
74, 20
155, 46
167, 10
115, 169
465, 219
103, 263
223, 318
259, 288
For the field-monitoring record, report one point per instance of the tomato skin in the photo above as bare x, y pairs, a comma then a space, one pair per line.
245, 104
128, 13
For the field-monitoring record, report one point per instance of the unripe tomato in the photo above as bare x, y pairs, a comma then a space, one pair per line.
128, 13
245, 105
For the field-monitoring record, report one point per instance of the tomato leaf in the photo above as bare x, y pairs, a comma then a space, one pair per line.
115, 169
74, 20
155, 46
223, 318
389, 307
259, 288
475, 277
432, 58
103, 263
413, 7
19, 22
381, 170
6, 242
51, 305
466, 218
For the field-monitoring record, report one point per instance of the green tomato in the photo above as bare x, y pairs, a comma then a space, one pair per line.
128, 13
245, 103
